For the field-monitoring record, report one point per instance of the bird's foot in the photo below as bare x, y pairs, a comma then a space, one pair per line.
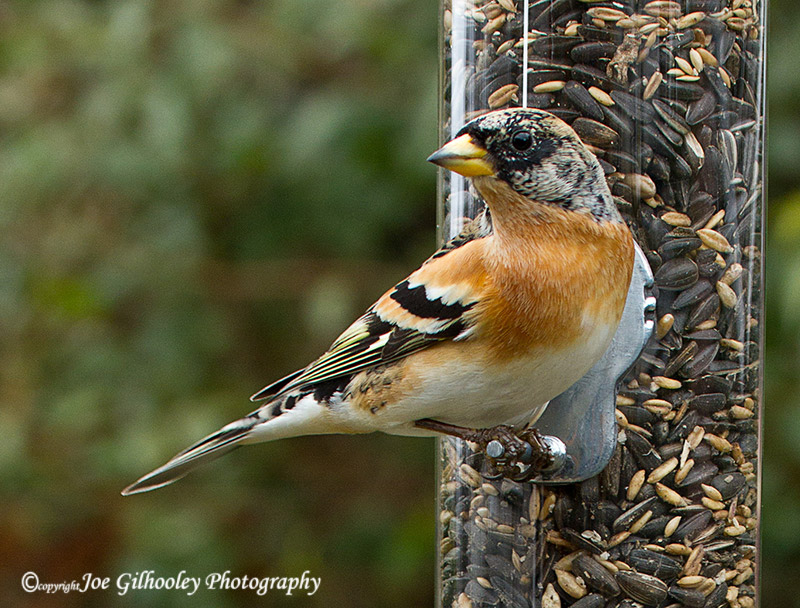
517, 454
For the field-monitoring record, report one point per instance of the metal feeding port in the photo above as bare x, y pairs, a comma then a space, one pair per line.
579, 426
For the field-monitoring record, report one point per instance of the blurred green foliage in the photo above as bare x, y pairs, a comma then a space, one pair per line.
196, 196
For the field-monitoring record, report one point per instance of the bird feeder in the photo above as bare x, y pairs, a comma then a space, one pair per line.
653, 496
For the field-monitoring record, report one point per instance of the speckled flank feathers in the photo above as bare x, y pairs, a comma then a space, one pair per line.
500, 320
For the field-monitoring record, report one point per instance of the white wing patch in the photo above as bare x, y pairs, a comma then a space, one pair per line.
447, 294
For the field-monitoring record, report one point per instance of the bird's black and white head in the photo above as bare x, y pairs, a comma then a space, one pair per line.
534, 153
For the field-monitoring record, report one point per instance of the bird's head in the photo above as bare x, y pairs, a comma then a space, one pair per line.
534, 153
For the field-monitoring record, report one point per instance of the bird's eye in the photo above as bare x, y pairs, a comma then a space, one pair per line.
521, 140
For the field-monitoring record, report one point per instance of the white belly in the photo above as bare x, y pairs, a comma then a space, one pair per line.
473, 394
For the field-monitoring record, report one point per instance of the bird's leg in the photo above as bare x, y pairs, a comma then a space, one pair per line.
479, 436
508, 449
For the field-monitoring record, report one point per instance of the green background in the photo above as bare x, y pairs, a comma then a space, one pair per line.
196, 196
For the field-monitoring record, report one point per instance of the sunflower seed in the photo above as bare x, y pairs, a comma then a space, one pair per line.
595, 133
690, 598
577, 94
693, 295
655, 564
593, 600
595, 576
643, 588
678, 247
677, 274
701, 109
635, 108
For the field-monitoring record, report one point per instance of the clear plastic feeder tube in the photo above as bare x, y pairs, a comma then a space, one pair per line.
670, 96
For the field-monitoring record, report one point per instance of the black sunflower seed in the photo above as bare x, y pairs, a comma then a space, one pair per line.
693, 295
701, 109
718, 597
677, 274
577, 94
692, 526
635, 108
595, 133
591, 76
690, 598
590, 52
729, 484
643, 588
673, 248
656, 564
595, 576
593, 600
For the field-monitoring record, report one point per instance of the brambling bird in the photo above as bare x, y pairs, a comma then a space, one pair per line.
504, 317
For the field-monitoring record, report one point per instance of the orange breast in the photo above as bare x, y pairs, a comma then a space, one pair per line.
548, 287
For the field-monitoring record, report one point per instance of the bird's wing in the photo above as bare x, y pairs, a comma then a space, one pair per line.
421, 310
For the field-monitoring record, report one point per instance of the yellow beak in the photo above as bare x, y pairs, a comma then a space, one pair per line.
463, 156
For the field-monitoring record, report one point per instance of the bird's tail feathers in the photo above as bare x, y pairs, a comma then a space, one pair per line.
210, 448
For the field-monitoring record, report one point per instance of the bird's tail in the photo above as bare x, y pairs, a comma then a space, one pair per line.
288, 415
210, 448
